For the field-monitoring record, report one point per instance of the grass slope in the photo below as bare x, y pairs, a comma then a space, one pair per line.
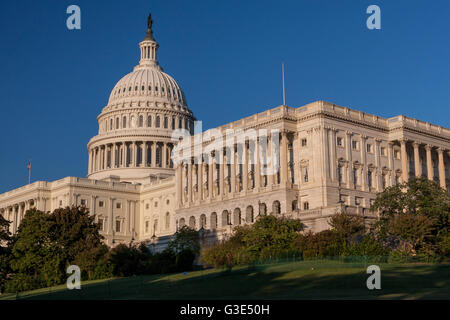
294, 280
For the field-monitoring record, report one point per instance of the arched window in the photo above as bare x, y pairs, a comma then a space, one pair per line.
262, 209
141, 121
181, 223
165, 122
149, 121
155, 226
124, 122
111, 124
276, 207
203, 221
173, 123
294, 205
226, 218
249, 214
158, 122
180, 123
213, 221
167, 220
192, 222
117, 123
237, 216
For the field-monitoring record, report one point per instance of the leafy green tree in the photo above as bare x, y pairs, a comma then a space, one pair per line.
5, 238
268, 237
185, 238
347, 226
46, 243
414, 218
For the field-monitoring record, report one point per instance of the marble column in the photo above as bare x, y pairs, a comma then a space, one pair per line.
283, 158
404, 157
245, 167
417, 164
257, 165
210, 177
391, 162
189, 168
144, 153
332, 146
441, 167
430, 173
153, 154
233, 169
378, 173
348, 147
364, 183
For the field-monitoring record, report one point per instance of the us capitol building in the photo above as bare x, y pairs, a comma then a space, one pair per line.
329, 157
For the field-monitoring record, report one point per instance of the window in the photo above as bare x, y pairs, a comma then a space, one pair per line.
396, 154
306, 205
146, 226
147, 206
149, 121
339, 141
355, 145
156, 204
369, 148
124, 122
60, 202
304, 142
141, 121
357, 201
118, 225
83, 202
167, 220
158, 120
118, 205
383, 151
100, 224
165, 122
369, 179
305, 174
101, 203
173, 122
167, 201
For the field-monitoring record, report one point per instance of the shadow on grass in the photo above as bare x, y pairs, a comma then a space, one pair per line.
299, 280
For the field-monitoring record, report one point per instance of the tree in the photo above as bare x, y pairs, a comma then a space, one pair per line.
185, 238
414, 217
46, 244
346, 225
5, 238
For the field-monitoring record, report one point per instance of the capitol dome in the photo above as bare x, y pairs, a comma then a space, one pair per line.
133, 143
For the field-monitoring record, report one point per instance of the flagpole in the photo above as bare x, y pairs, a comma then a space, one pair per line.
282, 75
29, 171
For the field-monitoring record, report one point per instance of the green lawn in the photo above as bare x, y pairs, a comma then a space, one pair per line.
294, 280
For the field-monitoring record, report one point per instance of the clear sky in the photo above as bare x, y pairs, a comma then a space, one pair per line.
226, 55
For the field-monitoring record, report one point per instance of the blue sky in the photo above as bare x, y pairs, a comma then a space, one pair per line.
226, 55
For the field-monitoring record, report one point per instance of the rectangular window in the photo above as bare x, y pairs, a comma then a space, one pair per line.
354, 145
146, 226
383, 151
304, 142
118, 205
357, 201
100, 224
396, 154
339, 141
369, 148
306, 205
83, 202
117, 225
101, 203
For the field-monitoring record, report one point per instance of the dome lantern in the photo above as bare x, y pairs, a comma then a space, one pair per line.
149, 47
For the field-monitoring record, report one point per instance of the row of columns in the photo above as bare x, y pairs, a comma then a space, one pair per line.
16, 212
125, 154
207, 179
429, 162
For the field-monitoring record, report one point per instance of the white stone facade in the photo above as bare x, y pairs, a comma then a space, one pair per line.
330, 156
